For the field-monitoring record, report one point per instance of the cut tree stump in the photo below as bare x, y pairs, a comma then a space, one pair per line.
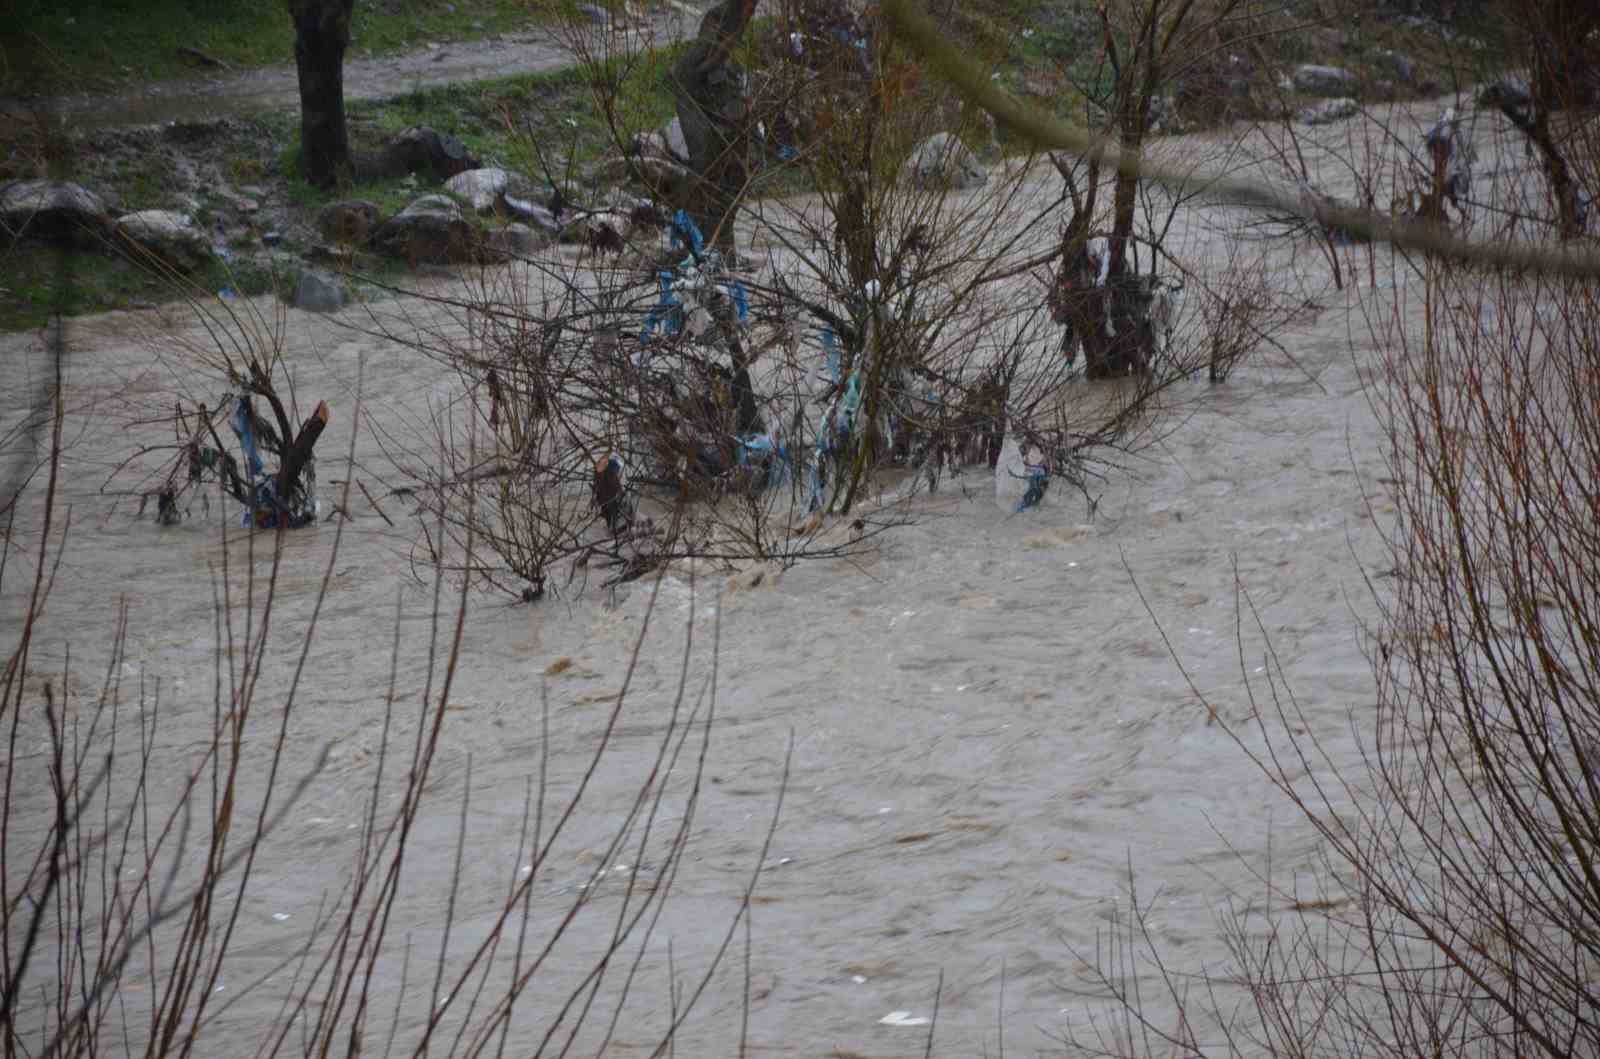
299, 453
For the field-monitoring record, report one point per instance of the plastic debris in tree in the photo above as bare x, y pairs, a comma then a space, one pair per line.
834, 435
1018, 485
831, 354
686, 233
766, 456
668, 312
265, 507
611, 493
691, 296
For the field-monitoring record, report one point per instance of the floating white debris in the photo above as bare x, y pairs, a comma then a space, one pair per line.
280, 916
857, 979
903, 1018
885, 809
784, 860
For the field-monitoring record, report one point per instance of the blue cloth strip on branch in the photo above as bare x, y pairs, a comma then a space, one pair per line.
758, 449
1038, 481
266, 508
830, 349
668, 311
244, 425
687, 234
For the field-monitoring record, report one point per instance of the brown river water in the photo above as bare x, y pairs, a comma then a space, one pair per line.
986, 730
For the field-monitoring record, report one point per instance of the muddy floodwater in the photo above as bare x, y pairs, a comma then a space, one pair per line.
984, 725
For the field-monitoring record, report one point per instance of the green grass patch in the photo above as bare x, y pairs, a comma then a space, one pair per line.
102, 45
510, 122
36, 279
523, 123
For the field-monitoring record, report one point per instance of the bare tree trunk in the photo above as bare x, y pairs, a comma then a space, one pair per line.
1110, 318
709, 92
321, 34
297, 455
1559, 40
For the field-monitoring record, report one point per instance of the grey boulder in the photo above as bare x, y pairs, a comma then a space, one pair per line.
1328, 111
485, 190
318, 292
167, 234
533, 213
431, 230
667, 142
1402, 67
517, 240
1324, 80
942, 160
53, 209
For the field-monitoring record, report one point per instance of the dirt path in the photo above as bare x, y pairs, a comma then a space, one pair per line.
272, 87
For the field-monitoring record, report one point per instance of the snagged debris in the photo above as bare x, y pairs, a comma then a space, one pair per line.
710, 429
1452, 156
903, 1018
611, 494
1018, 485
167, 508
285, 498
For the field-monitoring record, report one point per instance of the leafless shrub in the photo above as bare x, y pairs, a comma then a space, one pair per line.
128, 871
1456, 910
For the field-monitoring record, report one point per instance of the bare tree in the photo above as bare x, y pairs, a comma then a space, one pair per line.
709, 89
1457, 911
321, 35
1559, 43
1147, 49
132, 854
